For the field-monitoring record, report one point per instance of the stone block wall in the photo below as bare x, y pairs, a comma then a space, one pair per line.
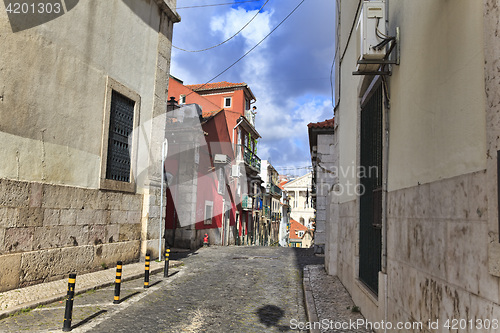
48, 231
438, 252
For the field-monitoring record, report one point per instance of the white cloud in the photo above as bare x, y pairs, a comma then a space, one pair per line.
288, 73
233, 20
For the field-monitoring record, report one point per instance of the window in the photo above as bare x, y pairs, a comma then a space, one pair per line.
121, 124
301, 233
209, 209
370, 201
227, 102
247, 104
222, 180
182, 99
119, 143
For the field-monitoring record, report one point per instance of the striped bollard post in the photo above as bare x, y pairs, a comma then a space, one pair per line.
167, 255
146, 270
68, 312
118, 282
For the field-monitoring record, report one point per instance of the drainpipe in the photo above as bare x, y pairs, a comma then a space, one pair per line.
235, 154
386, 178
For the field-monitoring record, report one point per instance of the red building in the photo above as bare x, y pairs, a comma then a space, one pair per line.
216, 166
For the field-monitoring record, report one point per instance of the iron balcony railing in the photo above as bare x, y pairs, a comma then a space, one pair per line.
247, 202
273, 189
250, 158
267, 211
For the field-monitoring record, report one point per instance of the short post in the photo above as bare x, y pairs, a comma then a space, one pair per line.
68, 313
118, 282
146, 270
167, 255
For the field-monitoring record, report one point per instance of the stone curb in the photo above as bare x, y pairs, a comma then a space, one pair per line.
84, 283
312, 315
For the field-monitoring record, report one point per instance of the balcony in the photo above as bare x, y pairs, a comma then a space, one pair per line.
273, 189
250, 117
250, 158
247, 202
267, 212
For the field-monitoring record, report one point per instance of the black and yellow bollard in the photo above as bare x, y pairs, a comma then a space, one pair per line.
118, 282
68, 313
146, 270
167, 255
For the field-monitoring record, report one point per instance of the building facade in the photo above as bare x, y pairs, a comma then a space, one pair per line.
222, 186
323, 178
77, 192
412, 227
300, 235
272, 207
300, 191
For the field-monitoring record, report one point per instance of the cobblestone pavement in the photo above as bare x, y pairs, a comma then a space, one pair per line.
224, 289
88, 308
333, 303
218, 289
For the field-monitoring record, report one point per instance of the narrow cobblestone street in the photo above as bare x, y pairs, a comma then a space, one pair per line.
218, 289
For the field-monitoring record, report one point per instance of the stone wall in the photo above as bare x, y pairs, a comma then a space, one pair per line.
48, 231
438, 252
325, 178
437, 255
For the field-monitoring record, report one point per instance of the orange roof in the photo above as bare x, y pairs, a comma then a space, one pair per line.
280, 185
295, 227
215, 85
210, 113
328, 123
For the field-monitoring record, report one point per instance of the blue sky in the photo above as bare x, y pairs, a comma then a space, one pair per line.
289, 73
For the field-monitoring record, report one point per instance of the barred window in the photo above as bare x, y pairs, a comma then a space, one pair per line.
119, 143
120, 128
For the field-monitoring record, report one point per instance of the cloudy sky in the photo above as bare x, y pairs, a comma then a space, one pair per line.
289, 72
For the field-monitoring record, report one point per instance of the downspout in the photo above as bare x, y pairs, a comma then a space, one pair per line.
235, 150
385, 182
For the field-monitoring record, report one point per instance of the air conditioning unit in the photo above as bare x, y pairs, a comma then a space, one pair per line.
371, 32
221, 159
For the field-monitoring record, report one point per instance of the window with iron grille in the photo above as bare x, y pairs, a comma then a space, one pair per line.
120, 129
370, 202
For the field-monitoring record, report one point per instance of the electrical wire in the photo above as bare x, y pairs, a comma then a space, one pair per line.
385, 39
253, 48
218, 4
345, 49
227, 40
337, 45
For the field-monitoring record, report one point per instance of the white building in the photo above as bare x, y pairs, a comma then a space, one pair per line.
416, 239
300, 193
323, 161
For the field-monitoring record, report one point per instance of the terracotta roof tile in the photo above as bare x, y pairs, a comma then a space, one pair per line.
295, 227
210, 113
215, 85
328, 123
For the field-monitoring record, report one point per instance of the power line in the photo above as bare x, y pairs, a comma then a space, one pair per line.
218, 4
253, 48
344, 52
227, 40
